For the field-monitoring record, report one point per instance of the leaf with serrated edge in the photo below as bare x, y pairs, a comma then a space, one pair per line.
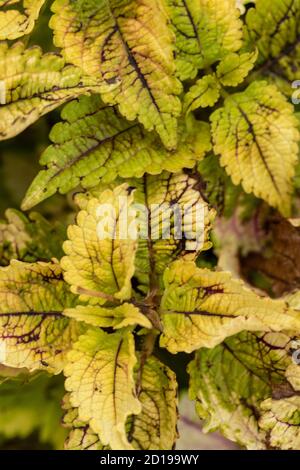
95, 144
101, 381
231, 382
129, 45
100, 265
14, 23
257, 137
206, 30
33, 84
201, 308
33, 331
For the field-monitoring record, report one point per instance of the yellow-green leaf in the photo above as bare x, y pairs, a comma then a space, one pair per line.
155, 427
118, 317
33, 331
33, 84
94, 143
205, 92
234, 68
29, 239
273, 26
232, 382
101, 381
201, 308
206, 30
257, 137
100, 259
281, 420
129, 45
15, 23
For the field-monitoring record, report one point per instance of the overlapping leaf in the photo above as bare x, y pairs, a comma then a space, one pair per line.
33, 331
100, 258
153, 429
233, 385
232, 70
205, 92
257, 137
127, 43
281, 420
201, 308
178, 223
206, 30
95, 144
32, 84
274, 28
15, 23
29, 239
118, 317
101, 381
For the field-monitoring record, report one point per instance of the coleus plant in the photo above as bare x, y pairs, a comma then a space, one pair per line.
169, 101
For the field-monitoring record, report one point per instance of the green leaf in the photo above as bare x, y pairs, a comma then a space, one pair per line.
234, 381
234, 68
129, 45
205, 92
256, 135
95, 144
273, 26
118, 317
29, 239
201, 308
33, 84
218, 188
15, 23
99, 266
33, 331
206, 30
30, 406
100, 378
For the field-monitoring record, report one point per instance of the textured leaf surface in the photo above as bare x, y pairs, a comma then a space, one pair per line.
95, 144
33, 84
256, 135
205, 92
100, 378
274, 28
127, 43
29, 239
206, 30
81, 436
201, 308
158, 194
232, 70
281, 420
155, 427
33, 331
231, 382
100, 264
15, 23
